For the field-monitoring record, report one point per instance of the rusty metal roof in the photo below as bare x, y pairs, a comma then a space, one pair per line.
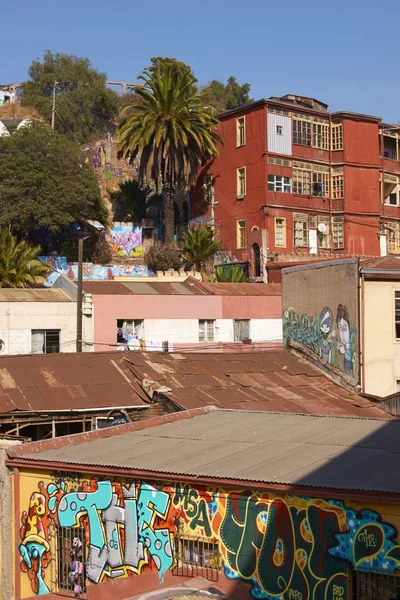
269, 448
273, 380
33, 295
382, 268
59, 382
190, 287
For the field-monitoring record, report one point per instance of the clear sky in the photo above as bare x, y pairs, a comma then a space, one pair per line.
345, 53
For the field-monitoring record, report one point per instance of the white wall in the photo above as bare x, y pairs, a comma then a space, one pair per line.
282, 144
17, 319
266, 329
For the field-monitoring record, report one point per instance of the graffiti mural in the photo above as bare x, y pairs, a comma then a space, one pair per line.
286, 547
333, 338
126, 240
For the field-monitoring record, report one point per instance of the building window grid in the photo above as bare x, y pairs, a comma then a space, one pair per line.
241, 329
241, 234
128, 329
45, 341
397, 314
393, 244
337, 136
240, 132
206, 330
338, 233
320, 184
337, 186
241, 182
280, 232
302, 181
300, 231
321, 135
301, 132
279, 183
324, 238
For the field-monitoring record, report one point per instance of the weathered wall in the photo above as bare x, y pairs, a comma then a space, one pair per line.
285, 547
321, 313
7, 572
381, 349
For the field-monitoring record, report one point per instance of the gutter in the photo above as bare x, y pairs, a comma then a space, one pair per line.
296, 489
380, 271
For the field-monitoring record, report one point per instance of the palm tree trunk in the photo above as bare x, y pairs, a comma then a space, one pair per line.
169, 215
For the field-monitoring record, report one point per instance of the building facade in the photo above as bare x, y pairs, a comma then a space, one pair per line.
187, 315
96, 516
294, 180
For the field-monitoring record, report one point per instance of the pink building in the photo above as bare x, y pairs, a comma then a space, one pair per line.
182, 316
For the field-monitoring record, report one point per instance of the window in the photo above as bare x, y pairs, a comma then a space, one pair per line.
338, 232
129, 329
277, 183
241, 182
282, 162
337, 183
323, 233
300, 231
397, 314
196, 557
241, 234
279, 130
321, 135
208, 189
390, 189
313, 221
393, 244
375, 585
71, 558
240, 132
45, 341
280, 232
321, 184
206, 330
302, 178
241, 329
301, 132
337, 135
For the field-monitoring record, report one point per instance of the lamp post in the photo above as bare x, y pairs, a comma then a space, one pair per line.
81, 235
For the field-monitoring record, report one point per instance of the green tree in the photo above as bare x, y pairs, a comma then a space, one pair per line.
44, 182
170, 129
163, 257
19, 263
85, 107
199, 247
177, 66
230, 275
227, 96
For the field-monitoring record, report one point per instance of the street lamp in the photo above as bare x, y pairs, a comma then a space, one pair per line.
80, 235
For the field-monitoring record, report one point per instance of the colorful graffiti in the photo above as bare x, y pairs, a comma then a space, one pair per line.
126, 240
286, 547
333, 339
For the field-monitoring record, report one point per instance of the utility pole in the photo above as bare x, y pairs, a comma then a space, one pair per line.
53, 110
79, 298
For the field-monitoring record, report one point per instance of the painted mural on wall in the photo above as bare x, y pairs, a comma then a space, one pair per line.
330, 335
126, 240
287, 547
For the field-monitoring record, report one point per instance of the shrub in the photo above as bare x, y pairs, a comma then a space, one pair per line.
163, 257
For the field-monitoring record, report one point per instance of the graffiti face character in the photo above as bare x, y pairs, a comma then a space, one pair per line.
326, 322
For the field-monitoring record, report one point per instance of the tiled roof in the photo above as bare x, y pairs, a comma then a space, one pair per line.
54, 382
241, 446
273, 380
190, 287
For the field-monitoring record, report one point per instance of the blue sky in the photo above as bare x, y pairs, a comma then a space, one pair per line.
346, 53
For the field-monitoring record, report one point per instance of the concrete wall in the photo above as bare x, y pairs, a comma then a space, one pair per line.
279, 545
17, 319
7, 546
176, 318
321, 314
381, 349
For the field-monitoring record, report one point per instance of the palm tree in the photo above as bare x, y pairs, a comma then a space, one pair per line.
170, 130
198, 247
233, 275
19, 265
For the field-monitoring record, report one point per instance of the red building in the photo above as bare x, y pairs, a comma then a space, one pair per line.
295, 182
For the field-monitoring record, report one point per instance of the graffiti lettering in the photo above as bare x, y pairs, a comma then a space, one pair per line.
195, 508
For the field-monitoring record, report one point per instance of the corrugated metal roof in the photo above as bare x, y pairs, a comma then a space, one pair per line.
54, 382
189, 287
315, 451
274, 380
33, 295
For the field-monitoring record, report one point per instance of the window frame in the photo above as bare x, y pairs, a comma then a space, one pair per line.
240, 132
245, 323
239, 230
241, 179
47, 332
185, 563
302, 181
320, 178
301, 218
337, 136
320, 138
64, 537
302, 131
206, 333
279, 183
393, 237
283, 226
135, 323
338, 233
324, 241
337, 178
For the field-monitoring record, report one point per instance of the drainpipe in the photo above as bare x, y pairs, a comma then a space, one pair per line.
330, 184
361, 325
